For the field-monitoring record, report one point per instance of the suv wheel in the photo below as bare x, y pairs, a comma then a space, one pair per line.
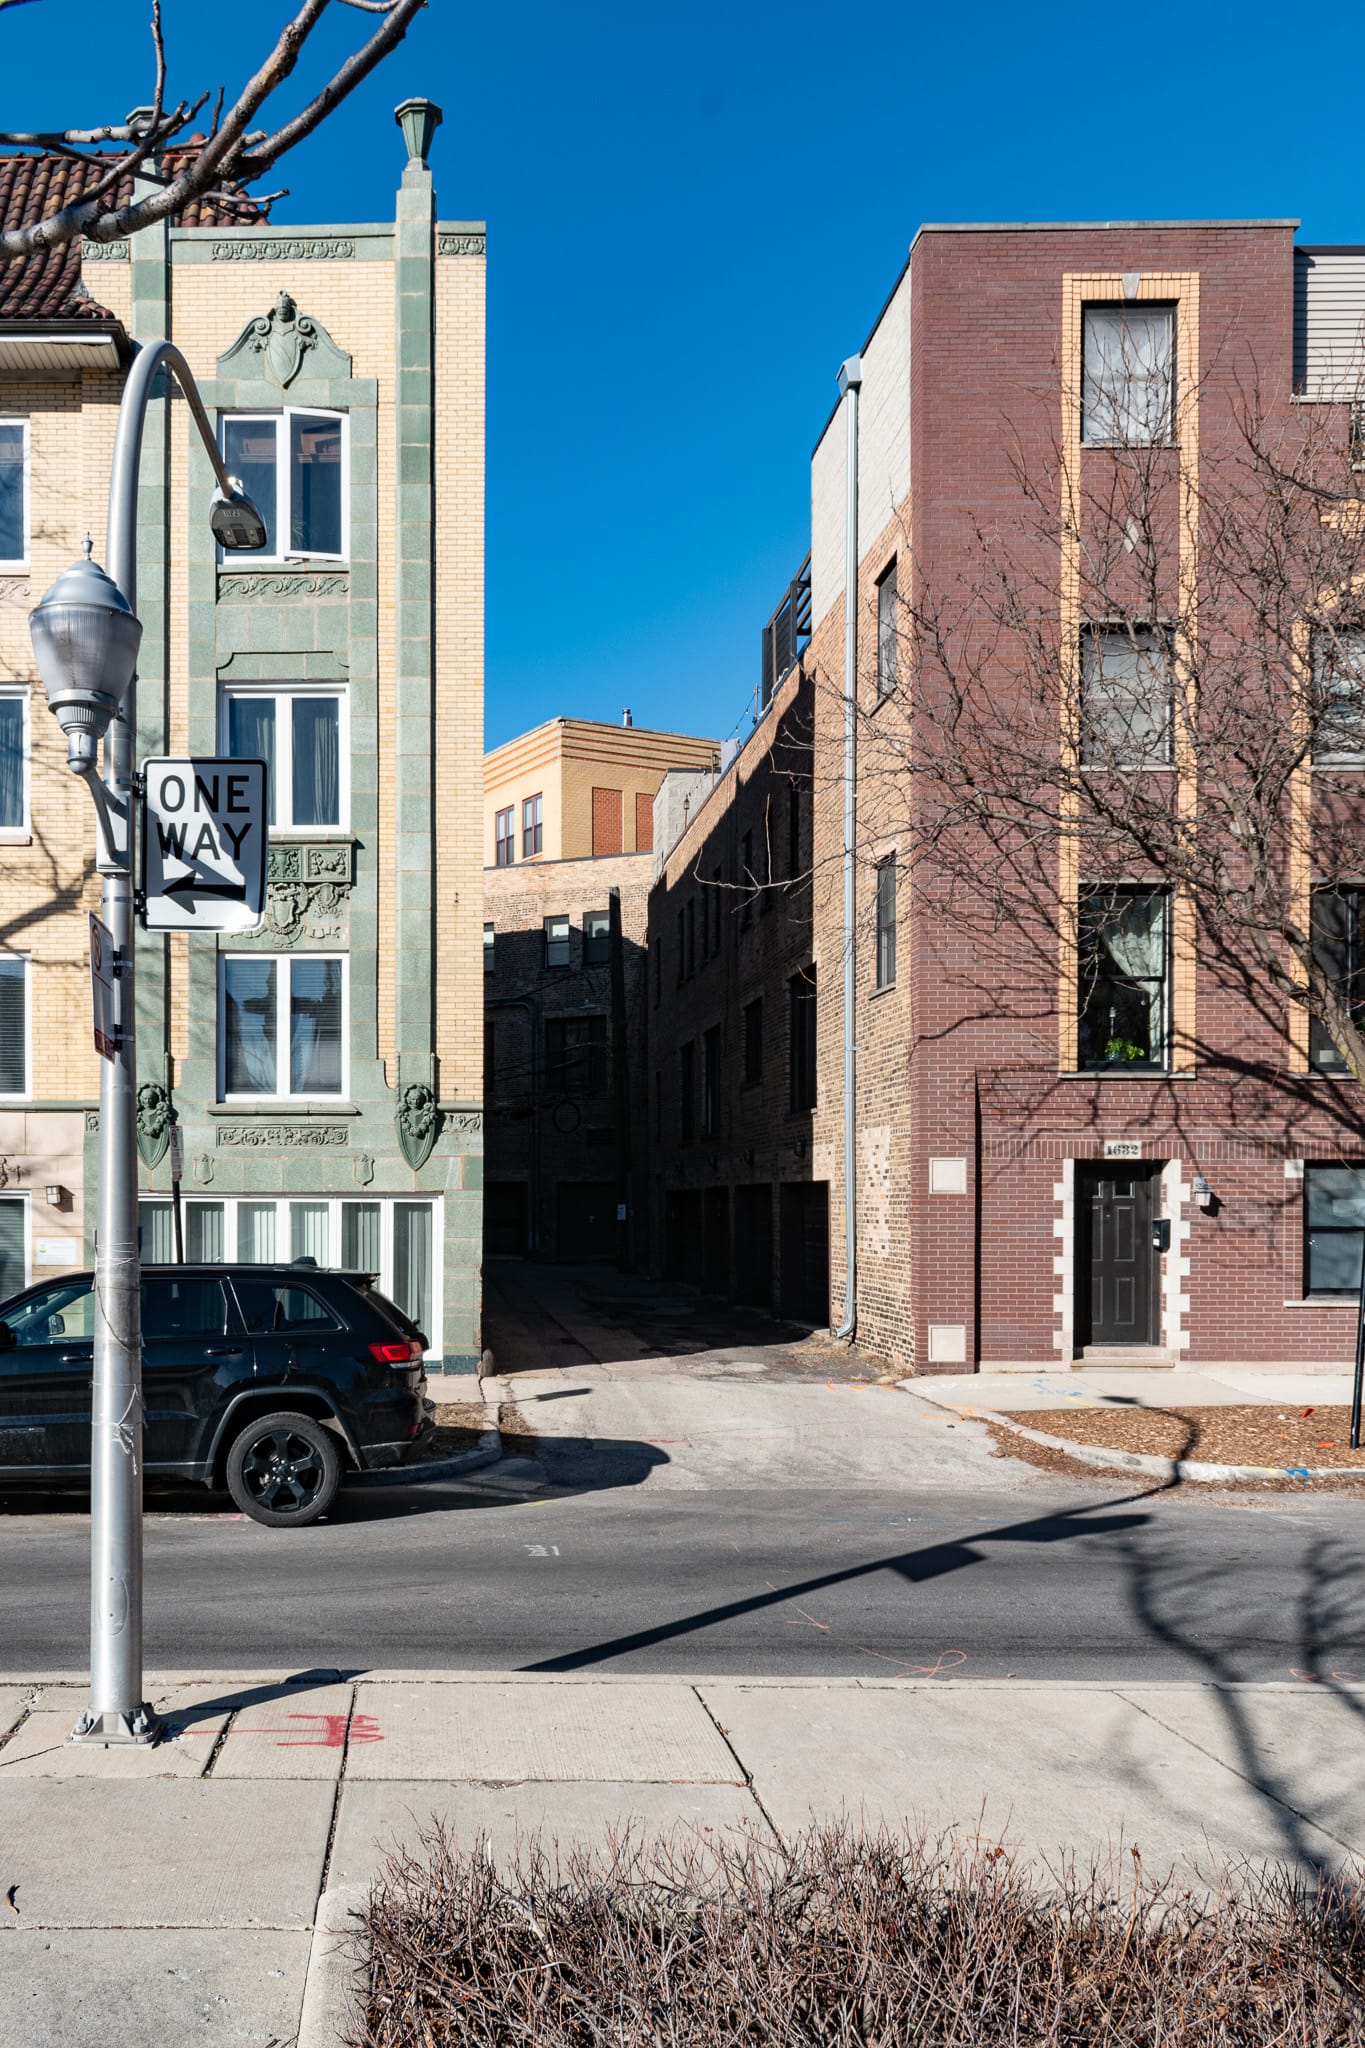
283, 1470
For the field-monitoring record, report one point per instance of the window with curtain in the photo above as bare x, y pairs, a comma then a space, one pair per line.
282, 1024
13, 1024
412, 1254
1338, 709
888, 632
310, 1231
256, 1235
1124, 938
13, 760
294, 465
205, 1242
1128, 375
12, 1260
13, 493
361, 1236
300, 735
1125, 697
156, 1229
1336, 948
1333, 1228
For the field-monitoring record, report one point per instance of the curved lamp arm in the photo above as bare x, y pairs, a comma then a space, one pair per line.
121, 538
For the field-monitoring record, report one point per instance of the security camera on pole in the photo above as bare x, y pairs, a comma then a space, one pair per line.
86, 636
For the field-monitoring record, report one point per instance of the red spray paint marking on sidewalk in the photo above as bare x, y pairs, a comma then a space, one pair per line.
331, 1735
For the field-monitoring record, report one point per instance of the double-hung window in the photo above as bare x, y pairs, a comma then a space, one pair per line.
1338, 713
13, 494
281, 1025
490, 949
293, 465
576, 1055
1337, 939
557, 941
532, 828
801, 1039
710, 1083
888, 632
301, 736
597, 938
1333, 1228
14, 1026
1124, 982
1128, 375
14, 712
886, 923
504, 839
1125, 697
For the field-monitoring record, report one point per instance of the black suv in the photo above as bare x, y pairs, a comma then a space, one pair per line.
272, 1380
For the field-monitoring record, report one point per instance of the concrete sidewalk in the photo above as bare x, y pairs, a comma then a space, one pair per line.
199, 1890
1222, 1386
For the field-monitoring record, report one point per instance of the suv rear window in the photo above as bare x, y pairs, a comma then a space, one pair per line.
390, 1310
283, 1305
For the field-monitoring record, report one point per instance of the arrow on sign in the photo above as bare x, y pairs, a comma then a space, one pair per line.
191, 885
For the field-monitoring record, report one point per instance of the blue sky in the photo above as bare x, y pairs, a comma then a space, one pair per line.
693, 217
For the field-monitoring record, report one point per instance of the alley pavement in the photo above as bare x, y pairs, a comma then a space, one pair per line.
206, 1889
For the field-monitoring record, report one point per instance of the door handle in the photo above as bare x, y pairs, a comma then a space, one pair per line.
223, 1350
73, 1358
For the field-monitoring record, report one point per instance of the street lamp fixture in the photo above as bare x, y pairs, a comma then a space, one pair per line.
86, 637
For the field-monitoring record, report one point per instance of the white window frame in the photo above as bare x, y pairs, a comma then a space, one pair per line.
283, 988
18, 564
282, 693
283, 509
229, 1204
21, 692
17, 1195
25, 1093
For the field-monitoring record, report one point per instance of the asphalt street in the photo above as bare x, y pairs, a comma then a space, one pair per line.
750, 1507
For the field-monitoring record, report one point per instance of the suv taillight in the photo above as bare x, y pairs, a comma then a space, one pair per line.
406, 1353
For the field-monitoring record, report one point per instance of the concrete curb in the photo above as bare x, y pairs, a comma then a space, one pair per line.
488, 1451
1146, 1461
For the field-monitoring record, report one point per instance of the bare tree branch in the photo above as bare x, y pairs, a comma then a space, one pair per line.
232, 153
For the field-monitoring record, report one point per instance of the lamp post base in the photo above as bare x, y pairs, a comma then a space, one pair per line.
117, 1731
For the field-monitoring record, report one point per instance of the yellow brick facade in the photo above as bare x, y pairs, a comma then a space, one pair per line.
564, 762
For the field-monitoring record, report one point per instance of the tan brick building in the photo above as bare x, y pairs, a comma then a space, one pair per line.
326, 1072
575, 788
566, 996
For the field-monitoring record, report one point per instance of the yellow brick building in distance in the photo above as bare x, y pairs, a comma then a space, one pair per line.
325, 1072
576, 789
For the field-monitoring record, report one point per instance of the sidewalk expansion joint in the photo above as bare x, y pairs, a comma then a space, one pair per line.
336, 1806
745, 1778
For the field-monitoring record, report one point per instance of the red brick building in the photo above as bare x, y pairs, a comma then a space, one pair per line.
1076, 1132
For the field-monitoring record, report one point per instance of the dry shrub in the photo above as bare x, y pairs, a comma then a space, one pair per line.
846, 1940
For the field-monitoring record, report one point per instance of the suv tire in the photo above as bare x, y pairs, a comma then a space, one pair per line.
283, 1470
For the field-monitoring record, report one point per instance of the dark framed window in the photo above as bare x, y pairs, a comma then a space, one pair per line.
1339, 697
753, 1041
1127, 375
793, 832
801, 1038
576, 1055
682, 946
1333, 1228
294, 466
746, 864
597, 937
14, 1024
557, 941
888, 632
717, 900
1124, 982
532, 828
687, 1088
691, 936
14, 493
490, 949
1336, 948
765, 861
1125, 697
886, 923
504, 839
13, 759
710, 1082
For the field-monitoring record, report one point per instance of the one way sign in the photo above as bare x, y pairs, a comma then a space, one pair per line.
203, 845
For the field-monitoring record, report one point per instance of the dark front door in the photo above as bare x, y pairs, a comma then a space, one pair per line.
1117, 1266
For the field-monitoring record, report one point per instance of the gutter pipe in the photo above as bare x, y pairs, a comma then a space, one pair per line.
850, 383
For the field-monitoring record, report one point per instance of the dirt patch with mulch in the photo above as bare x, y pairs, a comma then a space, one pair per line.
1293, 1440
459, 1428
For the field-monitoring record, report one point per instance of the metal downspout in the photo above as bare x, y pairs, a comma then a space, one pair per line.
850, 383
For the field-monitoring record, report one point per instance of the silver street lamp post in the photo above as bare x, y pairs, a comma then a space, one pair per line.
86, 636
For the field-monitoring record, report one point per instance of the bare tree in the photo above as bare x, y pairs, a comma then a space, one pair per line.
183, 167
1155, 676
